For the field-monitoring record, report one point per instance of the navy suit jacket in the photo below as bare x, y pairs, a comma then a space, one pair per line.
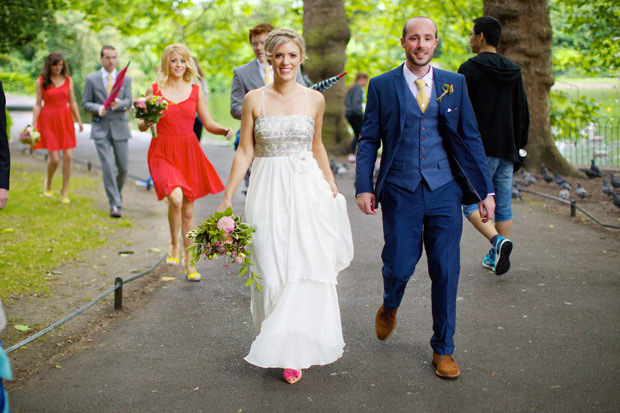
384, 121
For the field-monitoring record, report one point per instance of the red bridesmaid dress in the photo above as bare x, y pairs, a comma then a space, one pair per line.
175, 157
55, 123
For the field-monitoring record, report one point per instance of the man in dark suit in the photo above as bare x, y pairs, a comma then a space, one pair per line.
5, 154
110, 127
432, 159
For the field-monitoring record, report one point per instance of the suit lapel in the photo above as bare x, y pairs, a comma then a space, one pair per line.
401, 88
256, 77
100, 85
438, 81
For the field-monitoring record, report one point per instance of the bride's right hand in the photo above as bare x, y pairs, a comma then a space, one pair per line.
224, 205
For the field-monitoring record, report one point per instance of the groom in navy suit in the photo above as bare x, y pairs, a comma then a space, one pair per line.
432, 161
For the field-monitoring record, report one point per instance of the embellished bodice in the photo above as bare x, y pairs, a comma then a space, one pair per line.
282, 135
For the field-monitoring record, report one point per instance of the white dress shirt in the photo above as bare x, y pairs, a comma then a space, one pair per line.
104, 75
411, 78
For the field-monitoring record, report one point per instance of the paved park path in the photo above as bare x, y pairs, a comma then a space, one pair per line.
544, 337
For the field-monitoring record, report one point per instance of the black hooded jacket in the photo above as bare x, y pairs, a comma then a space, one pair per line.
496, 92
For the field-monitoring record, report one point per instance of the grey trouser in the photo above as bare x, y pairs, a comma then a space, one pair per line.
113, 153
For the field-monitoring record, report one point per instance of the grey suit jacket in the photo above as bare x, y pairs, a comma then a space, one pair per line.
246, 78
115, 120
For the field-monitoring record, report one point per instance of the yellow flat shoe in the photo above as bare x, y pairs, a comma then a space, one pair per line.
65, 200
171, 259
192, 275
47, 194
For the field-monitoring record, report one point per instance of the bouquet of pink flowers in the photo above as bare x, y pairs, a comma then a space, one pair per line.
225, 235
149, 107
29, 136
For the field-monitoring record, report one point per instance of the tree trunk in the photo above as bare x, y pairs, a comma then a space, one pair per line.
526, 40
326, 31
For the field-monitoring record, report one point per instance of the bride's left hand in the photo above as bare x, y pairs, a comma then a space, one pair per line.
334, 188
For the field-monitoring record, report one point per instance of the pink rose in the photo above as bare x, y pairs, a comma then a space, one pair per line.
239, 259
226, 223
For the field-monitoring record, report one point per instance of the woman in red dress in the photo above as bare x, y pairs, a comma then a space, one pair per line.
180, 170
54, 121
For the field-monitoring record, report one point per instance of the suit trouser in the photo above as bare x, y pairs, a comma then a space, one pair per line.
114, 157
432, 218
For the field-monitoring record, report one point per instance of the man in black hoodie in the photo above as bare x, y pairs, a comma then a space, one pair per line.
496, 91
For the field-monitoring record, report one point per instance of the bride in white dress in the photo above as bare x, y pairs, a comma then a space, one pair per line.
303, 236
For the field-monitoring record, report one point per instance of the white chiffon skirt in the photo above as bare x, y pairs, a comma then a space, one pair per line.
302, 240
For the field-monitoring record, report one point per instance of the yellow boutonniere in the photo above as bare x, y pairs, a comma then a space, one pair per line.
447, 90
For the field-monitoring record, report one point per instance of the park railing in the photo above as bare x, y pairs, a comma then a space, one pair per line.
581, 142
118, 305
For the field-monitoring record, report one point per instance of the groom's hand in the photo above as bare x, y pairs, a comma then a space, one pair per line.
367, 203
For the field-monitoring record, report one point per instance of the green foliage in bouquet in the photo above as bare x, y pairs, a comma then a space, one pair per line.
224, 234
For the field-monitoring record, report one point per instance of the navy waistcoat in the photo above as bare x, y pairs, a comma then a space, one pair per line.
420, 154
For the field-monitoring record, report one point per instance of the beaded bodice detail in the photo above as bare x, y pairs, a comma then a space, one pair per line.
282, 135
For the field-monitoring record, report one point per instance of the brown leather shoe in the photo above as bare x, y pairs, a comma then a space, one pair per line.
385, 322
446, 366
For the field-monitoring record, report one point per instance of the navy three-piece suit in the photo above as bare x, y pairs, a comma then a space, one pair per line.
431, 163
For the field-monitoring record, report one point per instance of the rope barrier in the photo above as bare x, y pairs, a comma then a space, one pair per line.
117, 286
573, 206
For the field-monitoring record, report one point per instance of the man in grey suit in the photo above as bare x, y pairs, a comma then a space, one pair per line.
110, 127
254, 74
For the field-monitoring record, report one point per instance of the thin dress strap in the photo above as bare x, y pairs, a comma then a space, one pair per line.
303, 104
261, 107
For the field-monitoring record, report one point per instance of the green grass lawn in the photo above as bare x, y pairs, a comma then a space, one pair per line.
37, 234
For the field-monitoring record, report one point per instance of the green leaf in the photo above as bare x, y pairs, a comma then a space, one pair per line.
249, 282
22, 327
244, 269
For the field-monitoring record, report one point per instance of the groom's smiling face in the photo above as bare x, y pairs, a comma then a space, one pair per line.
420, 41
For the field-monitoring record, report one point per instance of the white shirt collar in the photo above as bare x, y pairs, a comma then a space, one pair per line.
410, 78
104, 73
261, 69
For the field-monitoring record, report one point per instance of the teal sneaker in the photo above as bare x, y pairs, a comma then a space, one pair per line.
503, 248
489, 260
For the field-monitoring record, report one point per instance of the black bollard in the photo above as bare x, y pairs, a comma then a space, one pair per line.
89, 165
573, 208
118, 293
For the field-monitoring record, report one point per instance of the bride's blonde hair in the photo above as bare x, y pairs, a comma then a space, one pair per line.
163, 70
280, 36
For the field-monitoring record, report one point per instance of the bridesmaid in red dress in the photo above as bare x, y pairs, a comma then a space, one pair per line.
180, 170
54, 121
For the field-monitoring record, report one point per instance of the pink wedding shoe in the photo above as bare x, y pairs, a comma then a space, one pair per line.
292, 376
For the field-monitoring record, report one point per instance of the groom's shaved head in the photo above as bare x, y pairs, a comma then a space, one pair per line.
411, 20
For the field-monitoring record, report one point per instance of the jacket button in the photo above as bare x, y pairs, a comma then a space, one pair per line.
423, 128
423, 148
422, 160
423, 118
422, 168
422, 139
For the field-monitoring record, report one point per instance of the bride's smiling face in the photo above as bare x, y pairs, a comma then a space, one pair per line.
286, 60
177, 65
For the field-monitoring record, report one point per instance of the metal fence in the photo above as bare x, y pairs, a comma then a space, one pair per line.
580, 143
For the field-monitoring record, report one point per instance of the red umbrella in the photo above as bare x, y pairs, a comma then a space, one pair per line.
118, 84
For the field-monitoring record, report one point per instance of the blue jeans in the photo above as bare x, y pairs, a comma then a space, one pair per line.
501, 171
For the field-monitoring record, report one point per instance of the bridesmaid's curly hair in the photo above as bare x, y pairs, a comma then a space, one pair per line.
51, 60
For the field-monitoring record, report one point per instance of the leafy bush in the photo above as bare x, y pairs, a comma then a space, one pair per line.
569, 115
17, 83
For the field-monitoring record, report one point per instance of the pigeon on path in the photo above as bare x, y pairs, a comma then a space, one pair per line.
544, 172
607, 189
595, 168
616, 200
580, 191
615, 182
589, 173
564, 193
516, 194
558, 179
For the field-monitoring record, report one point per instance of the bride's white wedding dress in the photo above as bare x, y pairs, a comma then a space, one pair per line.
302, 240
